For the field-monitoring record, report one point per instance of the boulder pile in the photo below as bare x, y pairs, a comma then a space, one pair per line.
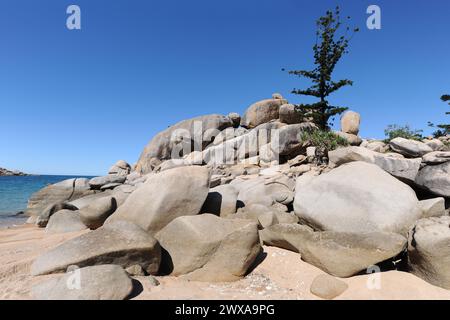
208, 193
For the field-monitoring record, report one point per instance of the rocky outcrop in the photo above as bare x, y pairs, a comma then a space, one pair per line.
356, 197
104, 282
120, 243
209, 248
6, 172
164, 197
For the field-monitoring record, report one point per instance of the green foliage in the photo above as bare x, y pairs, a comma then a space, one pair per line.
443, 129
323, 139
328, 50
395, 131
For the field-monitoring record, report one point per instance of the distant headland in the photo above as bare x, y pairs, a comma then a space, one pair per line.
6, 172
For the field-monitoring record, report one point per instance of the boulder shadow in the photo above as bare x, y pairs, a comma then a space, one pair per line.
137, 289
259, 259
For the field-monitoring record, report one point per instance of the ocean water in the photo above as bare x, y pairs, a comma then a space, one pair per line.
15, 192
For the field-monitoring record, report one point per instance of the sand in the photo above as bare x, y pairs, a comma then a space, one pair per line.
281, 275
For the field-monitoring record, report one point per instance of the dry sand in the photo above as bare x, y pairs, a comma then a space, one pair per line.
281, 275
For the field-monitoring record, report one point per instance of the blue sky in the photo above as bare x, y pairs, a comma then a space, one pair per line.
74, 102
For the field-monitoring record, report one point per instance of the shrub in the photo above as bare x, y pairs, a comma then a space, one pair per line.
395, 131
323, 139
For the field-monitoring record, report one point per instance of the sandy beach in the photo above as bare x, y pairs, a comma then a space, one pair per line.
281, 275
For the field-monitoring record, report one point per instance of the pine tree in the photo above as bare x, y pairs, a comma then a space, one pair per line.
328, 50
444, 129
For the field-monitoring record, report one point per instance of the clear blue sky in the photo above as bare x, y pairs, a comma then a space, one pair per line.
74, 102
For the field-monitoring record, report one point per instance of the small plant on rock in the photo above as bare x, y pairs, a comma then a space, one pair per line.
396, 131
324, 141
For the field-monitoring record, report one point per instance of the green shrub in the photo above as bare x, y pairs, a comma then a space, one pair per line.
395, 131
326, 140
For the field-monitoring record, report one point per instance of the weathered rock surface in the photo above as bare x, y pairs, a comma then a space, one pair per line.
267, 192
356, 197
65, 221
98, 182
405, 169
164, 197
289, 115
262, 112
351, 139
209, 248
341, 254
436, 157
327, 287
432, 207
409, 148
95, 214
429, 250
121, 243
435, 179
104, 282
121, 167
180, 137
350, 122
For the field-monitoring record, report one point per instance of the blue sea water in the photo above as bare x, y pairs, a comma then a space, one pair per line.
15, 192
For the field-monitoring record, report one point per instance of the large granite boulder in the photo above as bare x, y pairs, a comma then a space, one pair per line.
350, 122
164, 197
409, 148
262, 112
405, 169
429, 250
121, 167
67, 190
356, 197
435, 179
209, 248
121, 243
182, 138
342, 254
287, 140
95, 214
104, 282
